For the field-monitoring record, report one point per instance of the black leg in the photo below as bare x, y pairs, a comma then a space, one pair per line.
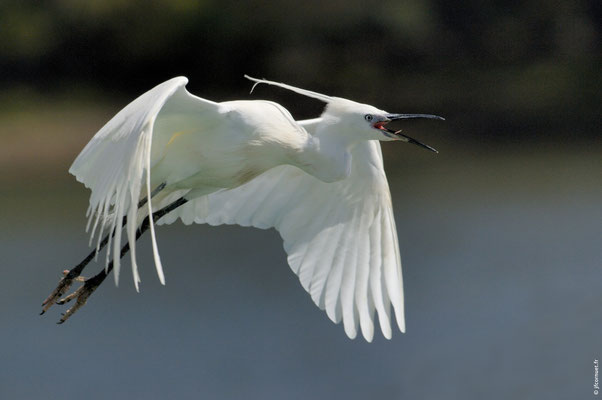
74, 274
91, 284
153, 194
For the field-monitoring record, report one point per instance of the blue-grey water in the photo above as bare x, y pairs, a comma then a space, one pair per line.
502, 263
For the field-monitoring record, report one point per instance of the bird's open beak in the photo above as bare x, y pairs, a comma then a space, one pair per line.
401, 136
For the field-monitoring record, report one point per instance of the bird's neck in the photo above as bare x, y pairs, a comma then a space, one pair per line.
327, 154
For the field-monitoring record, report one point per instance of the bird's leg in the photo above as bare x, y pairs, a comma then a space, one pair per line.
153, 194
71, 275
91, 284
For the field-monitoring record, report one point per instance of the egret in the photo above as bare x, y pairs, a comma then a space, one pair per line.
320, 183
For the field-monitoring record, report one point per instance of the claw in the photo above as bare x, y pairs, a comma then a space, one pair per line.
82, 295
63, 286
67, 299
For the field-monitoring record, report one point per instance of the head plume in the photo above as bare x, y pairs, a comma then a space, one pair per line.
308, 93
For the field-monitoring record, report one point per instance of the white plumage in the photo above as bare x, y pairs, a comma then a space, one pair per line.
320, 183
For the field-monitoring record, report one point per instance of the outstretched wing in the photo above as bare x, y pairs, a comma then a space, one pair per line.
340, 237
114, 163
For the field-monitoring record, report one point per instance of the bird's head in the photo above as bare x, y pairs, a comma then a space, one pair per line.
355, 120
366, 122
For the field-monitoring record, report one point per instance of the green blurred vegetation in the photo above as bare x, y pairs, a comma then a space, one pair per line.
501, 71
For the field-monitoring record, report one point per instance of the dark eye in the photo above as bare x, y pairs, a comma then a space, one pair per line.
368, 117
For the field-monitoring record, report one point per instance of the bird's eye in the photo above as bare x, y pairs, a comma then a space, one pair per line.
368, 117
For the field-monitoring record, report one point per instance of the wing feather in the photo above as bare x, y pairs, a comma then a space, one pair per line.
115, 163
340, 237
362, 291
332, 291
348, 282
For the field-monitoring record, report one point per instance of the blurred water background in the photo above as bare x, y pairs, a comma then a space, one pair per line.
500, 233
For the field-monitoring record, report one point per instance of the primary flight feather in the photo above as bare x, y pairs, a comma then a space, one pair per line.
320, 183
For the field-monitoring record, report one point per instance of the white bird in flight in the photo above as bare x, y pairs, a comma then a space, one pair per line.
320, 183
